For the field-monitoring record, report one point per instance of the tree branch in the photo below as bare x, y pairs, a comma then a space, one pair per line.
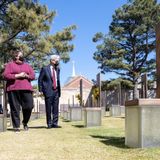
11, 37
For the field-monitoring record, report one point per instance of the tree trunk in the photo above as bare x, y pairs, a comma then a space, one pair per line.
135, 91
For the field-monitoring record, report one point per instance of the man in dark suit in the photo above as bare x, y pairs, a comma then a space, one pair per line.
49, 84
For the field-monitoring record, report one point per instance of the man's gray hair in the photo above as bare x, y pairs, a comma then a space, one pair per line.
55, 57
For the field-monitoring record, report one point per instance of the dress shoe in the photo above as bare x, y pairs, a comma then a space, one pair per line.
49, 127
56, 126
25, 127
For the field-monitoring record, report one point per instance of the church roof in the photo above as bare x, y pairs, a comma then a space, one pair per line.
74, 82
69, 79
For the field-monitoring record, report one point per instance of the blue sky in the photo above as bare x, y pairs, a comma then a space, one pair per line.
90, 17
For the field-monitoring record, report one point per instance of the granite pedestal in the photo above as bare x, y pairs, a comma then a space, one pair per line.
75, 113
142, 123
34, 115
122, 108
3, 123
103, 110
66, 115
114, 110
92, 116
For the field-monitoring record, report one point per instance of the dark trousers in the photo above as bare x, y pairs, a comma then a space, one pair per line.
52, 108
18, 99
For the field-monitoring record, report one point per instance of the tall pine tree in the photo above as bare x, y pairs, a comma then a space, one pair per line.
26, 24
128, 49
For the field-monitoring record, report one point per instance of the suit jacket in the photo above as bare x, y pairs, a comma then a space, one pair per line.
45, 81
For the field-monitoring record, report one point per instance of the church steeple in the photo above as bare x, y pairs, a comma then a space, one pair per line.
73, 69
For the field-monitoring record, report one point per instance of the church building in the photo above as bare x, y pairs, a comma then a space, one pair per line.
71, 89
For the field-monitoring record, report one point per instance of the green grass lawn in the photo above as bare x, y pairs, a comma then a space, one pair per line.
72, 142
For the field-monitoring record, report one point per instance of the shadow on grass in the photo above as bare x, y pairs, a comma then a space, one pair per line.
107, 116
113, 141
10, 129
123, 117
34, 127
120, 117
37, 127
66, 120
79, 126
